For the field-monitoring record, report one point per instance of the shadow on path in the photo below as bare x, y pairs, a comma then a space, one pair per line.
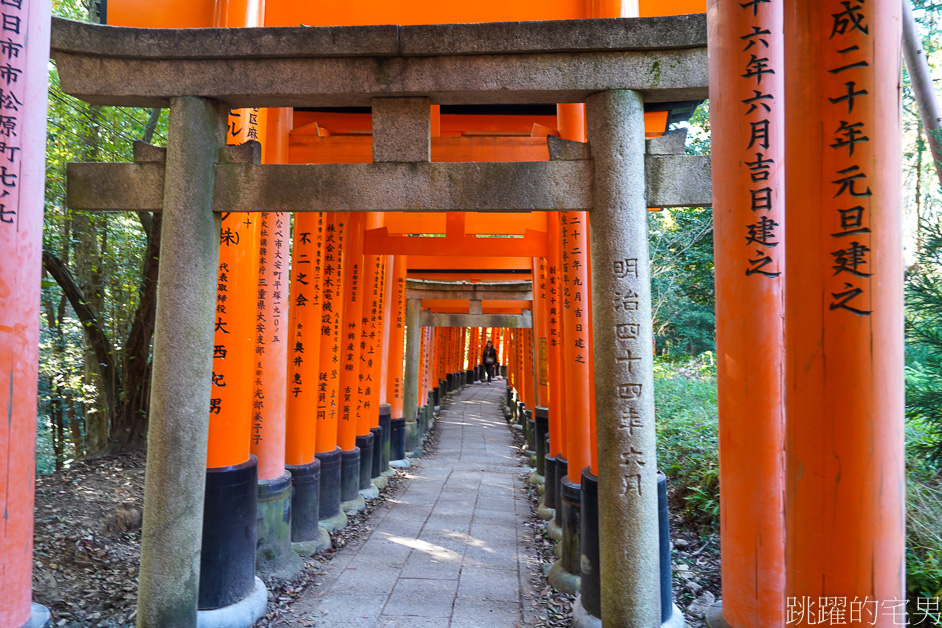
449, 551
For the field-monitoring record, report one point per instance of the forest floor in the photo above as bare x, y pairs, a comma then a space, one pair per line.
87, 550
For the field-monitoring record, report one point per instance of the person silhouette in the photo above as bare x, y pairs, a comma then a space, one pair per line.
489, 360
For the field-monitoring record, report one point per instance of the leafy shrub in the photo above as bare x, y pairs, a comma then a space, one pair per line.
687, 439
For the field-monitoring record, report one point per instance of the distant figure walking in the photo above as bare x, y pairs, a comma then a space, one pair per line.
489, 360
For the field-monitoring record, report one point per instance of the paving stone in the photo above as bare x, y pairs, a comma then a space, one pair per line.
471, 613
446, 553
424, 598
489, 584
433, 562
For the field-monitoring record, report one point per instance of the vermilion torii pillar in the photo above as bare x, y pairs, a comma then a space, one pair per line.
21, 225
747, 104
845, 491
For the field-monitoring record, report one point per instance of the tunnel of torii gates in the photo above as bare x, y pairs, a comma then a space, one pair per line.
398, 149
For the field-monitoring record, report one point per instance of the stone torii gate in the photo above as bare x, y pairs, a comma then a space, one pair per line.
615, 66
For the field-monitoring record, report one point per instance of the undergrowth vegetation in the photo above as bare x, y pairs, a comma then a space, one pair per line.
687, 433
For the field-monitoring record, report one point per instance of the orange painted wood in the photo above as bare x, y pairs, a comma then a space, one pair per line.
304, 392
329, 353
576, 315
475, 223
352, 291
290, 13
540, 307
654, 8
371, 331
268, 420
397, 330
556, 364
232, 390
168, 14
339, 149
845, 490
533, 244
749, 157
21, 225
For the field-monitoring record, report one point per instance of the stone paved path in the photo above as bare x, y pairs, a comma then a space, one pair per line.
449, 553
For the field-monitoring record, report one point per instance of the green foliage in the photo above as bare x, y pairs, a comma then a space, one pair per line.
924, 356
687, 436
924, 537
682, 294
104, 253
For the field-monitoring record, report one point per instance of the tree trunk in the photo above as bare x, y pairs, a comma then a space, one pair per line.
100, 349
921, 81
129, 427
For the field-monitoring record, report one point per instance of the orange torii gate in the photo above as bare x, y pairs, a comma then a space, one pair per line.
563, 185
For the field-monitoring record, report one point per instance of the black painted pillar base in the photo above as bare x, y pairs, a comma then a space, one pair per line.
565, 573
547, 509
530, 430
664, 549
562, 469
227, 556
365, 445
541, 430
470, 377
385, 419
397, 443
589, 539
330, 516
376, 470
350, 498
437, 394
273, 555
307, 537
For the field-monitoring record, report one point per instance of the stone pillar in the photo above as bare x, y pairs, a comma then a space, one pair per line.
21, 226
628, 519
845, 479
410, 393
183, 366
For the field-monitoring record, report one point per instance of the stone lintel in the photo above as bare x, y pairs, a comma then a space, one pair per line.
445, 319
487, 186
672, 143
474, 306
587, 35
511, 291
672, 181
566, 150
678, 181
676, 31
664, 59
402, 130
135, 187
659, 75
144, 152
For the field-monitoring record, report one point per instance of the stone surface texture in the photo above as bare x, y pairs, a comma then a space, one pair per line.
183, 354
624, 380
671, 180
481, 186
410, 391
554, 61
524, 320
402, 129
490, 291
678, 181
671, 143
450, 551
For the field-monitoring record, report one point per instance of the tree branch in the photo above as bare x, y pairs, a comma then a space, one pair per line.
94, 333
